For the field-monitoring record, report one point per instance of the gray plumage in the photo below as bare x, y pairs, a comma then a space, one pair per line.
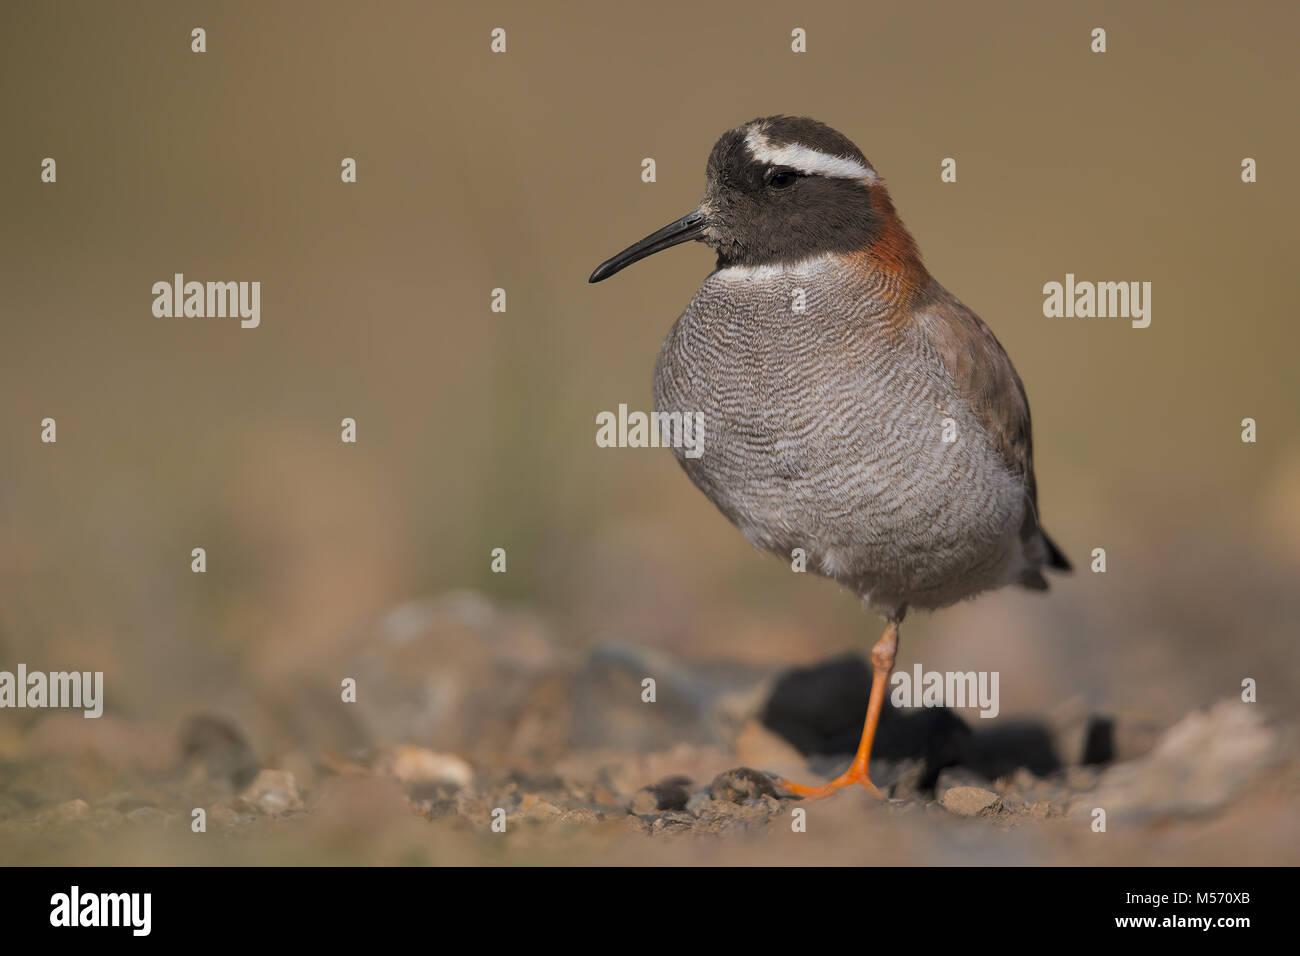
881, 428
825, 431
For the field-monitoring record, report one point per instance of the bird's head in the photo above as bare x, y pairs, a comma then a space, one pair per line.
781, 190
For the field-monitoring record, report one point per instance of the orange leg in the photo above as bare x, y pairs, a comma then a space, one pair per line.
882, 663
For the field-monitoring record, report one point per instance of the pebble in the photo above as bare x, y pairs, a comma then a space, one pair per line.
968, 801
418, 765
273, 791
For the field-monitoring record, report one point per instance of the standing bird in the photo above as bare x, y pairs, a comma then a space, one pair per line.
853, 407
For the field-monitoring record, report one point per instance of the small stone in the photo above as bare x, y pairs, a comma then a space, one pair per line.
273, 791
418, 765
968, 801
741, 785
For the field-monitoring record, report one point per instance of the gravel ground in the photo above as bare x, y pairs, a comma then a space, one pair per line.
541, 759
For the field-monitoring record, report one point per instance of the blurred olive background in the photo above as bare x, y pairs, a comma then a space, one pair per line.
476, 429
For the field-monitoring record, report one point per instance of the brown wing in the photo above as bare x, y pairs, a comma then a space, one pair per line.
985, 377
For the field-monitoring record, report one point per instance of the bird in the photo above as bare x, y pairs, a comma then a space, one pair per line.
852, 407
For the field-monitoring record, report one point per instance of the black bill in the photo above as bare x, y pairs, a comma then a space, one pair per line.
690, 226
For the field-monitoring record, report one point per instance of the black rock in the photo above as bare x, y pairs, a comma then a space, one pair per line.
821, 709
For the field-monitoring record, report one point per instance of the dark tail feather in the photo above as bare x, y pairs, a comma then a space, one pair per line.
1033, 580
1055, 557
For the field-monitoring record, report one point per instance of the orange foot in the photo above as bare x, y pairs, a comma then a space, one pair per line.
825, 790
882, 662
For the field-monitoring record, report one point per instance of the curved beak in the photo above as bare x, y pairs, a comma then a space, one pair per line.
690, 226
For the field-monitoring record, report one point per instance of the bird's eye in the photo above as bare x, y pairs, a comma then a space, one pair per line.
781, 178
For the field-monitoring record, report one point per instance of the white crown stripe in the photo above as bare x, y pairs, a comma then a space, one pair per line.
806, 160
